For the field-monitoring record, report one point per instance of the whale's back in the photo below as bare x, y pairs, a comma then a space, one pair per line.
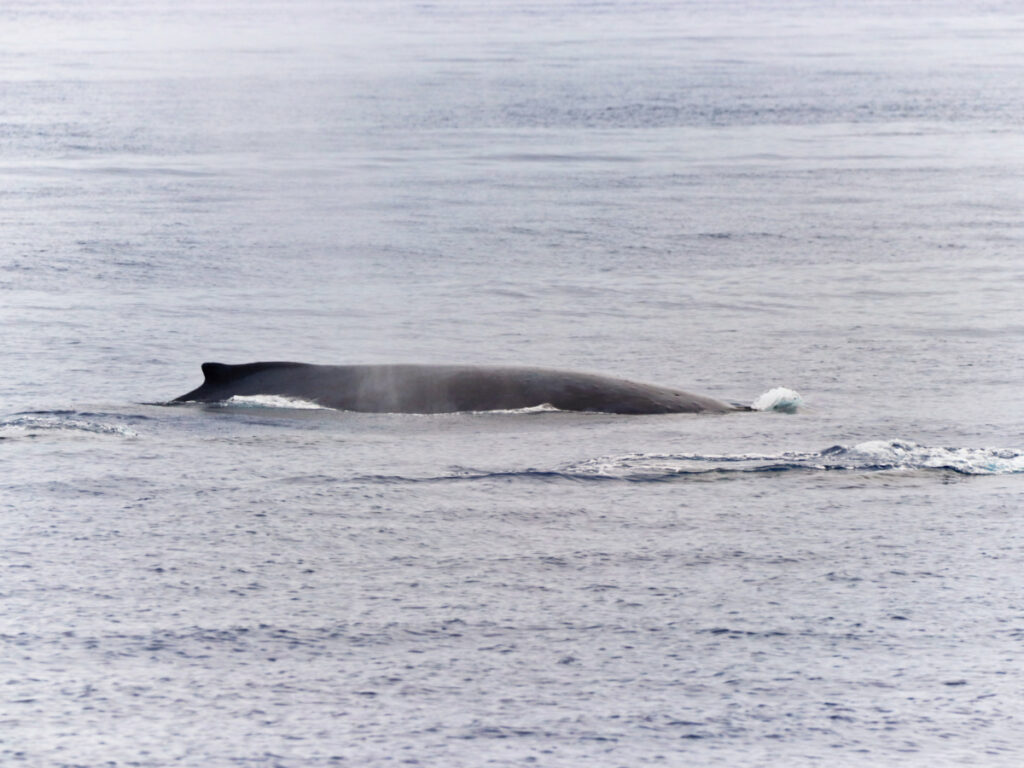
443, 388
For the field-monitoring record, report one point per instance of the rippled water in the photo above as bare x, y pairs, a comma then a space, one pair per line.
724, 197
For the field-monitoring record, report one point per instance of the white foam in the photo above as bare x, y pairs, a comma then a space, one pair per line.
905, 454
779, 399
273, 401
543, 408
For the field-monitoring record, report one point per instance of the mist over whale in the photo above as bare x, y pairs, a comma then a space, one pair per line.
445, 389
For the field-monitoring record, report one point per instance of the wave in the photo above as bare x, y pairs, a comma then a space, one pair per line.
870, 456
873, 456
35, 423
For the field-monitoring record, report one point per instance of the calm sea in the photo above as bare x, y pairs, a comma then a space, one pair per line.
720, 196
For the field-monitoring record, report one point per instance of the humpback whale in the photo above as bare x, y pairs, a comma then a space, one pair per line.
445, 389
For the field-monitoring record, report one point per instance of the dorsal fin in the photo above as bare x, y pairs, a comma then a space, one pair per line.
219, 373
220, 378
216, 372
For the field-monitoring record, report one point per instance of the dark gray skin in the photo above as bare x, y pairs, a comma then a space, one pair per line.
445, 389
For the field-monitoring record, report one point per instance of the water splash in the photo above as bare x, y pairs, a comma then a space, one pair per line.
779, 399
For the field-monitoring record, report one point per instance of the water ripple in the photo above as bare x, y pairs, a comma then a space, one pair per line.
870, 456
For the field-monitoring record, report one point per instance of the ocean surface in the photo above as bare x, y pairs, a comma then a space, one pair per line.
725, 197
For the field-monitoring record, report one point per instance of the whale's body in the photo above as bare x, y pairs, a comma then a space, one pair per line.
444, 389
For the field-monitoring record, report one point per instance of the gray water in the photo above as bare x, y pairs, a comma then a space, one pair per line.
724, 197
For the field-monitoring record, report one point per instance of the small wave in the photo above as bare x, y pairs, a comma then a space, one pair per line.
903, 454
872, 456
67, 422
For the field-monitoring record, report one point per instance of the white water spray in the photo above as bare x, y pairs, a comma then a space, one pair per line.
779, 399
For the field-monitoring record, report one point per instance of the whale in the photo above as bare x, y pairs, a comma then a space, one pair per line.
409, 388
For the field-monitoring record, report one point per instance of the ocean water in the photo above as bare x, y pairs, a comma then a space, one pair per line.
724, 197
